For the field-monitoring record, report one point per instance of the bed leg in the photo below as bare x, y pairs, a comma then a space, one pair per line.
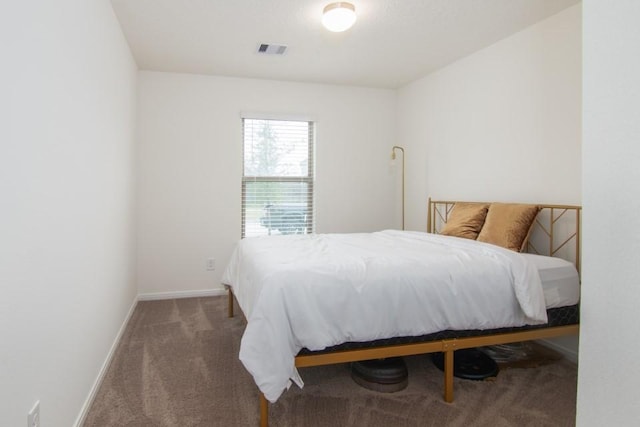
264, 411
448, 376
230, 301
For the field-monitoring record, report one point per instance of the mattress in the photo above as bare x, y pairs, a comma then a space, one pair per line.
561, 286
560, 280
560, 316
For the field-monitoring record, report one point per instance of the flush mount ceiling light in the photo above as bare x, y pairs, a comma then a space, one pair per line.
339, 16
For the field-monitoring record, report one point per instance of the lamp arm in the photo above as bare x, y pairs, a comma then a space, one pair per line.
393, 157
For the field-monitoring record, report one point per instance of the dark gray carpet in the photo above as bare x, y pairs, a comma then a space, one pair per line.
177, 365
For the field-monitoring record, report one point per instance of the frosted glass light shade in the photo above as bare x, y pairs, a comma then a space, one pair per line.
339, 16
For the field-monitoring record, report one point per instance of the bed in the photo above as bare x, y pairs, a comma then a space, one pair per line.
323, 299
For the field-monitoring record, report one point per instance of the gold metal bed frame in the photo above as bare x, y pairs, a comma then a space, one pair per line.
556, 232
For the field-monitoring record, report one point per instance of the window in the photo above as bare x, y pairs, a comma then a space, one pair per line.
277, 180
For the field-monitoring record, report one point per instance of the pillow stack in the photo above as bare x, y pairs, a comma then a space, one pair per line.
503, 224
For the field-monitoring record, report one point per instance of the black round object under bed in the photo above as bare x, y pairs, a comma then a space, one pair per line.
384, 375
469, 363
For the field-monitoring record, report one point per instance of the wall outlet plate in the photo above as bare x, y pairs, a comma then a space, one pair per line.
33, 418
211, 264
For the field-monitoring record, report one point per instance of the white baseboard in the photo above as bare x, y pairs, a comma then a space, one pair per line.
103, 370
570, 354
182, 294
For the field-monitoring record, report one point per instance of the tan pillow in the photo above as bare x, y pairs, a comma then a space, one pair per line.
508, 225
466, 220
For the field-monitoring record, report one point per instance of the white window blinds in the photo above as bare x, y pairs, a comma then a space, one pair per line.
277, 181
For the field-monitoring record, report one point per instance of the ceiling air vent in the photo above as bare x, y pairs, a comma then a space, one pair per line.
271, 49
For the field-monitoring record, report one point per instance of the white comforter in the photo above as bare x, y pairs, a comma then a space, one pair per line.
316, 291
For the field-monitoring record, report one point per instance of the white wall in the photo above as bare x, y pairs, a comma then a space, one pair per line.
67, 198
609, 345
500, 124
190, 167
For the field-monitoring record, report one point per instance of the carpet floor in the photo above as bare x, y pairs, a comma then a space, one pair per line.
177, 365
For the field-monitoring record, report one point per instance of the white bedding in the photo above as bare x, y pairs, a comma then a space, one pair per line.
316, 291
560, 280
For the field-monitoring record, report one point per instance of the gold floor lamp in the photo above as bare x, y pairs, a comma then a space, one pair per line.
393, 158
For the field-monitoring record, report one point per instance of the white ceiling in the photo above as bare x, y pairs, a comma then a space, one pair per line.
392, 43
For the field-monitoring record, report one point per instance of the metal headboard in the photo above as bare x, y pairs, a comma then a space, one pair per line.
556, 231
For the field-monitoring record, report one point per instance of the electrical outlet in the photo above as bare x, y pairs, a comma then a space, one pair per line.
33, 418
211, 264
